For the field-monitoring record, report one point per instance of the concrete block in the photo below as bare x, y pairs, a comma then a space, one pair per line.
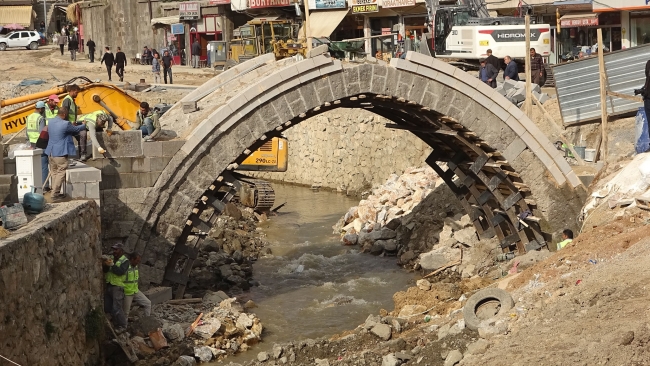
189, 107
82, 173
158, 164
139, 165
7, 179
158, 295
170, 148
9, 166
75, 190
509, 85
535, 88
92, 191
519, 95
520, 84
121, 144
117, 166
9, 192
542, 97
152, 148
499, 89
317, 51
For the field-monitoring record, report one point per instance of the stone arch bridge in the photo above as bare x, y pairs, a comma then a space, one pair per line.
494, 158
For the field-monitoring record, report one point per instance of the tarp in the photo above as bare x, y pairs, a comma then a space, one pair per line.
16, 14
166, 20
323, 22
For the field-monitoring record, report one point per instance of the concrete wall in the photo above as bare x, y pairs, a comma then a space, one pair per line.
50, 280
120, 23
348, 149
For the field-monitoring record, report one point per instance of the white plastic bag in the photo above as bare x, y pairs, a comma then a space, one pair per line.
17, 147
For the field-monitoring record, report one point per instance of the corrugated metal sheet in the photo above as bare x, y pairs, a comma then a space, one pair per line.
578, 84
16, 14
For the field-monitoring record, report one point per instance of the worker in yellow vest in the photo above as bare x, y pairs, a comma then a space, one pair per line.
73, 113
131, 291
52, 108
35, 123
97, 120
115, 274
567, 237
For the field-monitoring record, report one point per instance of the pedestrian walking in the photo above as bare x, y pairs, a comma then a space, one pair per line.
488, 74
155, 68
59, 147
91, 49
512, 70
73, 46
196, 53
109, 60
115, 274
132, 293
146, 56
120, 62
167, 62
536, 67
63, 41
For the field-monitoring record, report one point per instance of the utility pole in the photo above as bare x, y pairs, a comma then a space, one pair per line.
528, 103
45, 16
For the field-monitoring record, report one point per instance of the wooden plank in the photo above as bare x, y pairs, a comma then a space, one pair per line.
603, 92
625, 96
528, 106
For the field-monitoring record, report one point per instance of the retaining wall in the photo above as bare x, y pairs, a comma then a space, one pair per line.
348, 150
50, 280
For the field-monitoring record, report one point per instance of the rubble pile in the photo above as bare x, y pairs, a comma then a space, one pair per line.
227, 253
223, 328
515, 91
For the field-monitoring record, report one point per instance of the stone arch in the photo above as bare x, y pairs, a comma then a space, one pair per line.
495, 159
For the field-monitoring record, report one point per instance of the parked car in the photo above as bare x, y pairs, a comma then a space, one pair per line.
23, 38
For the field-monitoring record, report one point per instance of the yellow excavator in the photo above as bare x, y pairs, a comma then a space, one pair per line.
267, 35
255, 193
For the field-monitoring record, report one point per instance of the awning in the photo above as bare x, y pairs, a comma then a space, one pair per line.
323, 22
173, 19
16, 14
579, 20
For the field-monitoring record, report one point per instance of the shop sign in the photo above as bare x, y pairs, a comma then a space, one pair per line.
364, 6
327, 4
178, 28
585, 22
189, 11
256, 4
219, 2
386, 31
397, 3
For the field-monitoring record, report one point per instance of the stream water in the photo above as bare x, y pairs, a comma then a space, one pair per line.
313, 286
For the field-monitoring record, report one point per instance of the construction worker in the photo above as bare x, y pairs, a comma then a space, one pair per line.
97, 120
567, 237
131, 291
115, 274
73, 113
36, 123
146, 120
52, 108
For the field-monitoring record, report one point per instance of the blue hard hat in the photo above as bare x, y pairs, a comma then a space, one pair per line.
40, 104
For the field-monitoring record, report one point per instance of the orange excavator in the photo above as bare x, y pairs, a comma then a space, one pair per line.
92, 97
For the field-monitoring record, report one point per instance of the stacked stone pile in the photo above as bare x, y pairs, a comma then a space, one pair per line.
226, 255
515, 91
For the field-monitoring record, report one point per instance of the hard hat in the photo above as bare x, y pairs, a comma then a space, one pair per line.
54, 97
40, 104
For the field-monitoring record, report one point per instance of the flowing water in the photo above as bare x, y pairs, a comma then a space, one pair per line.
313, 286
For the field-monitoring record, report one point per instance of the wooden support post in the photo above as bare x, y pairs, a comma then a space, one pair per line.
603, 93
528, 103
307, 26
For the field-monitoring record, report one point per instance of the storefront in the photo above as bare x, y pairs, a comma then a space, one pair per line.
639, 28
578, 33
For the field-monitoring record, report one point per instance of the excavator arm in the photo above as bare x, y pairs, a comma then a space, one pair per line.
92, 97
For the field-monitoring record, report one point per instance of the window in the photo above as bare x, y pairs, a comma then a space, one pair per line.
15, 36
24, 34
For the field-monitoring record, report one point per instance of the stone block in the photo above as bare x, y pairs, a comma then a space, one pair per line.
6, 179
158, 295
317, 51
158, 164
510, 85
139, 165
189, 107
9, 166
9, 192
152, 148
518, 96
501, 90
75, 190
121, 144
82, 173
92, 191
117, 166
169, 148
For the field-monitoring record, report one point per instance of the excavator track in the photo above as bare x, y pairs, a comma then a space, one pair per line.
256, 193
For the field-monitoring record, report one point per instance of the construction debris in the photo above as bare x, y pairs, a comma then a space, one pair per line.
515, 91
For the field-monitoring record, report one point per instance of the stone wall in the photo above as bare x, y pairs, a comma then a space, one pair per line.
50, 281
349, 150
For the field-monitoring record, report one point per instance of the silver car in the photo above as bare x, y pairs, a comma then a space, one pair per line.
23, 38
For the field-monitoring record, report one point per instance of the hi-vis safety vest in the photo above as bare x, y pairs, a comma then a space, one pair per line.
114, 279
72, 112
131, 282
92, 117
49, 114
32, 127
